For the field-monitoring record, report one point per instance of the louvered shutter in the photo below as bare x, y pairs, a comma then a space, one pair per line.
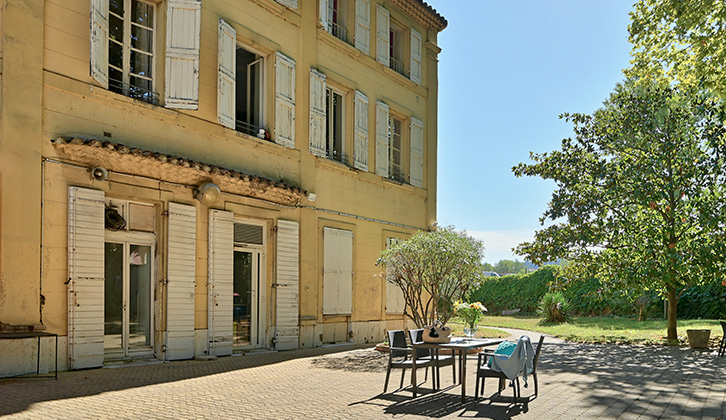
324, 14
182, 54
221, 281
226, 68
383, 36
417, 150
363, 25
382, 139
289, 3
395, 303
360, 146
86, 274
337, 271
180, 290
416, 42
284, 100
318, 126
287, 329
99, 41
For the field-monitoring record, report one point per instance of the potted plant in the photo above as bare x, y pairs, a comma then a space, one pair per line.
471, 313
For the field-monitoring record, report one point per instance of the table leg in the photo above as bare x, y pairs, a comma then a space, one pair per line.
462, 374
413, 372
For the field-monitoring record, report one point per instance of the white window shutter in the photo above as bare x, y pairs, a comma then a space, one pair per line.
363, 25
382, 139
99, 41
324, 14
395, 302
86, 272
221, 282
416, 45
287, 329
180, 288
289, 3
226, 68
182, 54
417, 151
318, 126
337, 271
284, 100
360, 149
383, 36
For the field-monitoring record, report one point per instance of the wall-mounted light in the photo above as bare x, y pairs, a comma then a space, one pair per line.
99, 174
312, 196
207, 193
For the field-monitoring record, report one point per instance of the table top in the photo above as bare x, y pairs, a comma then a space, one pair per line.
462, 343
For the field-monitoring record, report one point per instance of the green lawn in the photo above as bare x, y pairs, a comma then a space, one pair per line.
598, 329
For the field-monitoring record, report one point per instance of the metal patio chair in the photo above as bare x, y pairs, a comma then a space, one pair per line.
484, 371
399, 357
416, 337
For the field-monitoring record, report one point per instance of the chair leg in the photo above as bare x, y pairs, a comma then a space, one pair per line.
453, 372
476, 387
403, 374
534, 375
388, 374
515, 385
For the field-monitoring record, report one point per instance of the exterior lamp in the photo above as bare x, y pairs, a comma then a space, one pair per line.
207, 193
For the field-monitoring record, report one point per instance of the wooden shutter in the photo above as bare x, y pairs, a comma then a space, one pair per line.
86, 272
287, 329
99, 41
383, 36
360, 146
284, 100
395, 303
337, 271
416, 42
417, 151
182, 54
180, 288
289, 3
382, 139
324, 14
221, 281
363, 25
318, 126
226, 69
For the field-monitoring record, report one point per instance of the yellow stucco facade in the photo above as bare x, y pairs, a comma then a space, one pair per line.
327, 149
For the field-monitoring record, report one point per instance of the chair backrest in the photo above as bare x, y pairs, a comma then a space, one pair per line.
723, 326
416, 338
397, 338
536, 353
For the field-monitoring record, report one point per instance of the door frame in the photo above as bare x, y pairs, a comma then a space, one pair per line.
258, 323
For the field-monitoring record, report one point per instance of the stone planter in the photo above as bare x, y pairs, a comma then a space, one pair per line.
698, 339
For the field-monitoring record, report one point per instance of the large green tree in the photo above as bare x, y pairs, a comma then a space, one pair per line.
433, 269
640, 192
686, 39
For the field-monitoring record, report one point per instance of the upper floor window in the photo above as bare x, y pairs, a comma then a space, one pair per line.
131, 49
334, 118
333, 17
396, 48
395, 144
250, 74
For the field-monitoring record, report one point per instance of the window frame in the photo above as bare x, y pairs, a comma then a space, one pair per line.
263, 59
329, 140
395, 169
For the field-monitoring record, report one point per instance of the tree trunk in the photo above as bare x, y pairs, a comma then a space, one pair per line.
672, 305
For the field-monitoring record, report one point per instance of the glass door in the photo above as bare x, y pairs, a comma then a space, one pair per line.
245, 298
128, 299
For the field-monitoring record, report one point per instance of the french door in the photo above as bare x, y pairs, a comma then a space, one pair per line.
128, 297
247, 305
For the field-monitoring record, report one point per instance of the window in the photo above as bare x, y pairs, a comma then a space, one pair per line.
131, 49
396, 48
332, 16
334, 119
395, 128
249, 95
337, 271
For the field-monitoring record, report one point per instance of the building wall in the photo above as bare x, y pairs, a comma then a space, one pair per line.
48, 93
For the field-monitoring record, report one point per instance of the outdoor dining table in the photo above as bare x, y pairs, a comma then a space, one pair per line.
460, 345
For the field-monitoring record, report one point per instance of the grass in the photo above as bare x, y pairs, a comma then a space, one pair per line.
605, 329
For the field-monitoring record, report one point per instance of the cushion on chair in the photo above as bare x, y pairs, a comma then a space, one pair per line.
505, 348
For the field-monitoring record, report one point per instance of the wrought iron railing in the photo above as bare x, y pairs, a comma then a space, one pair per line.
133, 91
338, 31
396, 65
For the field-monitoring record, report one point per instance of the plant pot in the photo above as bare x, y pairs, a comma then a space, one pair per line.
698, 339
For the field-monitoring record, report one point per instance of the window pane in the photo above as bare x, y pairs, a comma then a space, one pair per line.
142, 38
115, 80
113, 295
116, 6
141, 64
142, 14
141, 89
139, 295
116, 29
115, 54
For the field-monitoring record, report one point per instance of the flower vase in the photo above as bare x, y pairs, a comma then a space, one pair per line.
470, 331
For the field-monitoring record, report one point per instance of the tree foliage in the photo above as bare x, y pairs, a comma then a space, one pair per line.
684, 39
640, 193
433, 269
510, 267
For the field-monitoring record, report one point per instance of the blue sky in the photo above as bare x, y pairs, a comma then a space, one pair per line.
507, 70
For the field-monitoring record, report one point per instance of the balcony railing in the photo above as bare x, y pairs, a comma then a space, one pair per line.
252, 130
396, 65
338, 31
133, 91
